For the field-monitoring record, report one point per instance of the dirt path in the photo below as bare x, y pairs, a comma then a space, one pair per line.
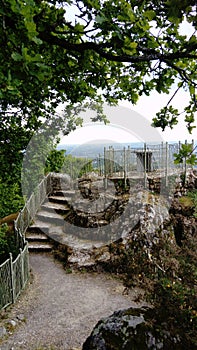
61, 309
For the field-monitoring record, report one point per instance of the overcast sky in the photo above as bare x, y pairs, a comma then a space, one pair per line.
147, 108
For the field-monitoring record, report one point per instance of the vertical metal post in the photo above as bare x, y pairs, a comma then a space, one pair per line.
193, 149
105, 169
113, 152
185, 165
145, 165
12, 279
166, 165
128, 159
179, 148
110, 161
99, 165
26, 267
22, 269
124, 167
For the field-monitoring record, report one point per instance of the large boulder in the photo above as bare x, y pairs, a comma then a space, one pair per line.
131, 329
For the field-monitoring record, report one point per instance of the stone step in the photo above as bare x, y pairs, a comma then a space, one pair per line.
59, 199
80, 252
39, 247
63, 193
38, 227
72, 241
55, 207
37, 237
51, 218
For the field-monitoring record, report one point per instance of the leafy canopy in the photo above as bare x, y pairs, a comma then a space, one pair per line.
92, 51
111, 50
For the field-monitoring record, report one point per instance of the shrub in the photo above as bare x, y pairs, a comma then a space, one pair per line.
11, 199
7, 243
169, 277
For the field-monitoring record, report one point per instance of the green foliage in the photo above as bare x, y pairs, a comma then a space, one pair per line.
58, 161
168, 274
112, 50
11, 199
166, 117
55, 161
3, 242
76, 166
7, 243
186, 155
175, 292
193, 197
38, 158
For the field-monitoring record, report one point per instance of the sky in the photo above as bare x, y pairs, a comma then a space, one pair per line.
146, 109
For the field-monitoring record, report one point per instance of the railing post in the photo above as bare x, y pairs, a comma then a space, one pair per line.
128, 159
185, 165
105, 169
166, 171
125, 167
113, 154
12, 279
145, 165
99, 165
22, 269
162, 165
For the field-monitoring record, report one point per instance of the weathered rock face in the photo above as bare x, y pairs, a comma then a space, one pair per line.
92, 240
60, 182
102, 219
131, 329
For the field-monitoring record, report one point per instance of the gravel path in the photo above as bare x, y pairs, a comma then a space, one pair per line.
60, 309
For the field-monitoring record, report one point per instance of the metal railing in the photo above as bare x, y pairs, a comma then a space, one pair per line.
140, 160
14, 274
13, 277
146, 158
32, 205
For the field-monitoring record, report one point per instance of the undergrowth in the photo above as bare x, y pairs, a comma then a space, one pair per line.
168, 274
7, 243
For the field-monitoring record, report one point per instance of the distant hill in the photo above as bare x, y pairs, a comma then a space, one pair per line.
92, 150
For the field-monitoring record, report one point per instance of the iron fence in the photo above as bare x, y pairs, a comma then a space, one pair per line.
140, 161
32, 205
13, 277
14, 274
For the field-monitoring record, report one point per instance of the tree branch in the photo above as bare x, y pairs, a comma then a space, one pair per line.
174, 94
182, 72
99, 48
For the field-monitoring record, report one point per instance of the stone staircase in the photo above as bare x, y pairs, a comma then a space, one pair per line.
50, 215
83, 246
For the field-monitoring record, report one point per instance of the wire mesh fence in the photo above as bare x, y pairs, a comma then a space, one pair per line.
139, 161
13, 277
31, 207
5, 285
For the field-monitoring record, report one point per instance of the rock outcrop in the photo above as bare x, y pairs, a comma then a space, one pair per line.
132, 329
